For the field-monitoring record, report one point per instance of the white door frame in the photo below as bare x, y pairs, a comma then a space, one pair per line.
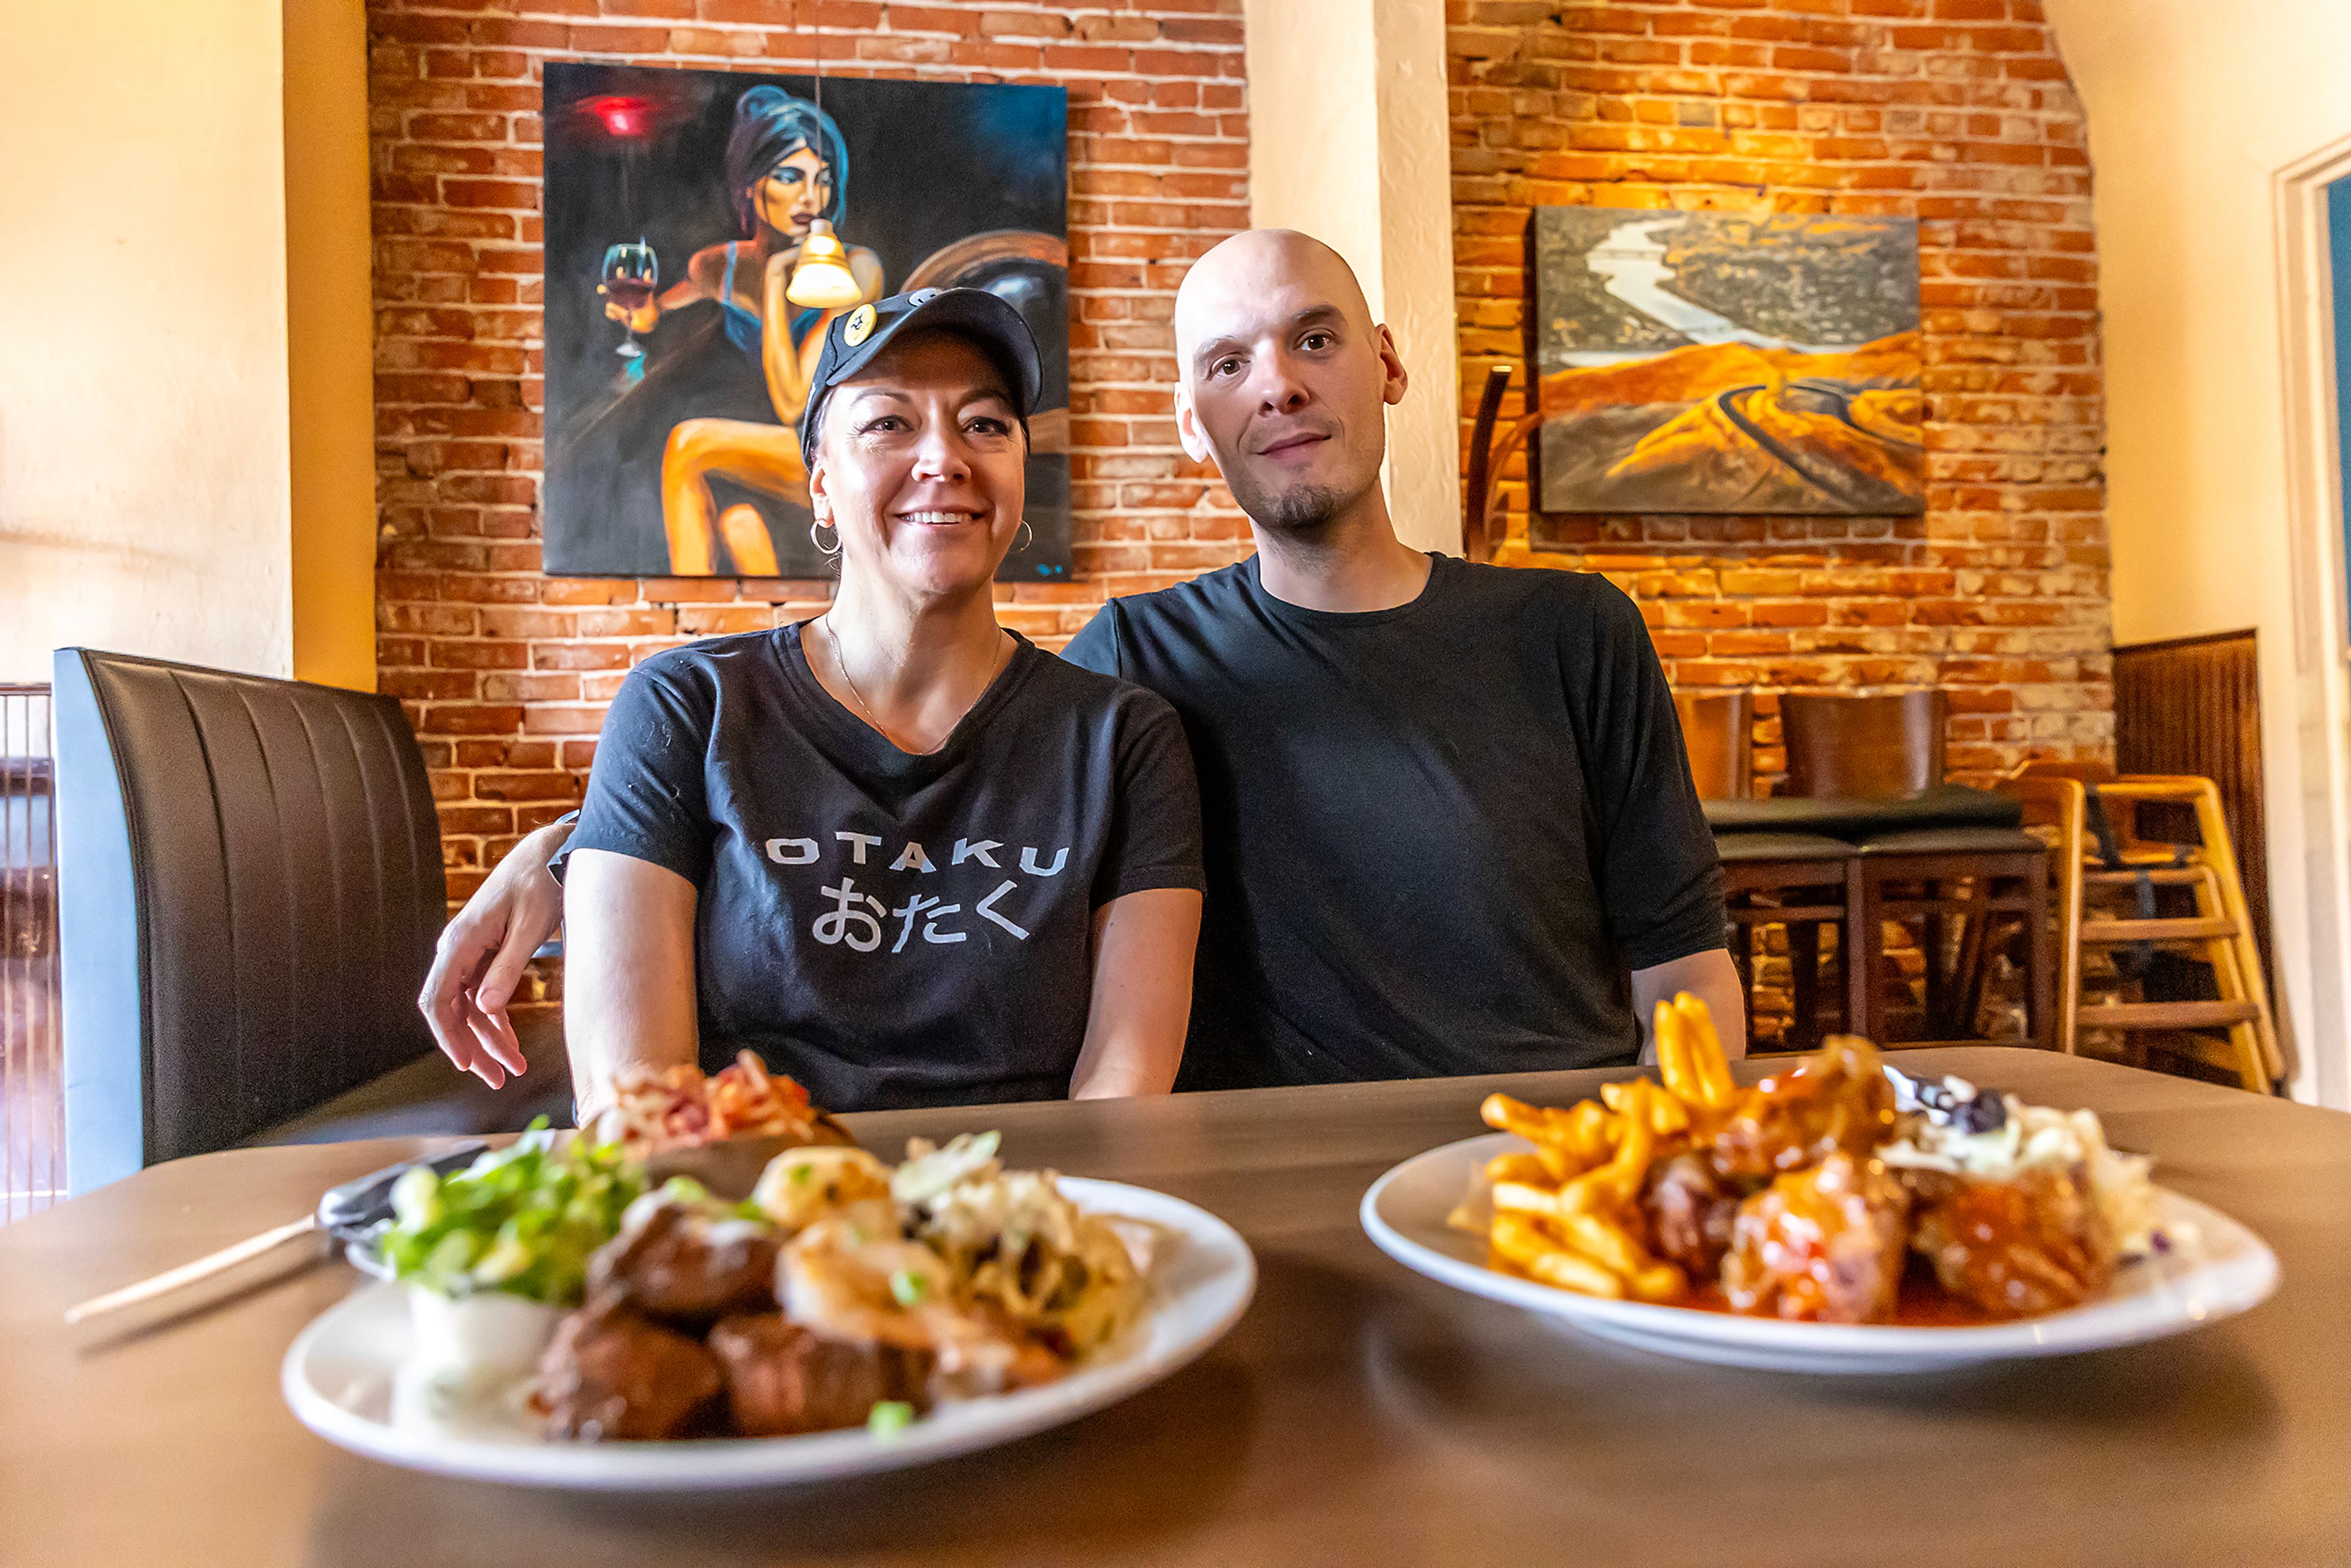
2322, 636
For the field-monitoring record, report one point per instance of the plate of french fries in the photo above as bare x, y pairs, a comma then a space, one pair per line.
1834, 1217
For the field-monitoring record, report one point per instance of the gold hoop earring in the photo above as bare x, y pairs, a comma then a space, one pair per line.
1030, 540
817, 543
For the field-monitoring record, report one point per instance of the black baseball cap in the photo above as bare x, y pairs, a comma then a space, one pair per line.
852, 340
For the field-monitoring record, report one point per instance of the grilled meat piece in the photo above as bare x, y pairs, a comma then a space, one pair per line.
1824, 1245
2036, 1243
613, 1375
782, 1378
1691, 1212
686, 1268
1837, 1098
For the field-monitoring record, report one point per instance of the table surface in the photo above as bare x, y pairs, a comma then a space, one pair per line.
1358, 1414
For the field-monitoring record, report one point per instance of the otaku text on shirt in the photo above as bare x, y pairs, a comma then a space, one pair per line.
862, 921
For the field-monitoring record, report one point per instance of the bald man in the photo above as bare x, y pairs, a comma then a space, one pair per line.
1449, 823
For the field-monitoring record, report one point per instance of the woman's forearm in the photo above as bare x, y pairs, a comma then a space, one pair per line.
628, 994
1142, 995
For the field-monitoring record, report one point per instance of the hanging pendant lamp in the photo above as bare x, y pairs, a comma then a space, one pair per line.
822, 277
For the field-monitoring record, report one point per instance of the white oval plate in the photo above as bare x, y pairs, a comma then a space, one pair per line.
338, 1377
2224, 1270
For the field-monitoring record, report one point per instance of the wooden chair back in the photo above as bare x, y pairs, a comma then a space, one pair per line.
1480, 530
1718, 732
1866, 747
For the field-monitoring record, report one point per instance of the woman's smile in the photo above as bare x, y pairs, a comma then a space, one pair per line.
921, 463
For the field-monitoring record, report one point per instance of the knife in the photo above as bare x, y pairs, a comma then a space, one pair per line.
344, 1212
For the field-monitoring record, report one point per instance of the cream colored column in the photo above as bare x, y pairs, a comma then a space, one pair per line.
331, 343
1348, 143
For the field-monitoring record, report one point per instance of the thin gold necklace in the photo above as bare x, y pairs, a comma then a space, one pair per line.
833, 638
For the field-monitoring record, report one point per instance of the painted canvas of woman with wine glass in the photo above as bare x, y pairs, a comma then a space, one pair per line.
704, 197
786, 172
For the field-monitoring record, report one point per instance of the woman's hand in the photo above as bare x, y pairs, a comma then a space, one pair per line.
481, 953
1141, 994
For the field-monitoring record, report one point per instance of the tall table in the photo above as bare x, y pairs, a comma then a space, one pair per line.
1358, 1415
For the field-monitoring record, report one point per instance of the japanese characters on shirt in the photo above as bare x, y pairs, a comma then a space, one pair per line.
855, 918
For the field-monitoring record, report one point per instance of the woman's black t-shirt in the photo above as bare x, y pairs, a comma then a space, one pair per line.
890, 929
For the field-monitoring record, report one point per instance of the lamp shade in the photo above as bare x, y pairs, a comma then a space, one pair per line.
822, 277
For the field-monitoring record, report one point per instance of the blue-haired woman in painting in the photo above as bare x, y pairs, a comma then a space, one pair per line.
786, 169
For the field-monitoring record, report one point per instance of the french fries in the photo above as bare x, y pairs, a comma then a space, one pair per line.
1536, 1254
1567, 1213
1690, 1054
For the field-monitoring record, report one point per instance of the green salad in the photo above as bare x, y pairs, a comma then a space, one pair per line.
522, 1219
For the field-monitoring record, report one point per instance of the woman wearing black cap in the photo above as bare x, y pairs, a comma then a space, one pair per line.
902, 853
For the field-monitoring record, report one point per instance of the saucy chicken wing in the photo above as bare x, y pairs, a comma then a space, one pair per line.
1825, 1245
1835, 1099
1691, 1212
2033, 1243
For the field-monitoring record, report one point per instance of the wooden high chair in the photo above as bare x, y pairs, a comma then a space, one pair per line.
2069, 798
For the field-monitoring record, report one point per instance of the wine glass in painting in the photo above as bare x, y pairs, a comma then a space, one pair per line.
631, 274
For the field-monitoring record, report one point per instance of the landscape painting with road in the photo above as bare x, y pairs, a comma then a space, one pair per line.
1711, 363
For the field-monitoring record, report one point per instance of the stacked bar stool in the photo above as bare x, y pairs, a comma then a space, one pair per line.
1928, 851
1801, 880
2113, 884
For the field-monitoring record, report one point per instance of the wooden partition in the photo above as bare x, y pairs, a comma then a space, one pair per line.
2192, 704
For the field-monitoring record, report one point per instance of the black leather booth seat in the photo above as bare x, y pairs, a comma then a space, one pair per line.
249, 889
429, 1096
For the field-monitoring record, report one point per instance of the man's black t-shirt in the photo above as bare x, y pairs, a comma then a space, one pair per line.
893, 929
1437, 837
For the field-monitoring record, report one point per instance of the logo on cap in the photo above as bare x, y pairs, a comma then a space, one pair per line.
860, 327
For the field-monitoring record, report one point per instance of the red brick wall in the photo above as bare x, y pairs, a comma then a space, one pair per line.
1954, 113
504, 672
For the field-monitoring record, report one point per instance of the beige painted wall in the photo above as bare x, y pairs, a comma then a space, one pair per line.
2193, 108
142, 418
148, 479
1349, 141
